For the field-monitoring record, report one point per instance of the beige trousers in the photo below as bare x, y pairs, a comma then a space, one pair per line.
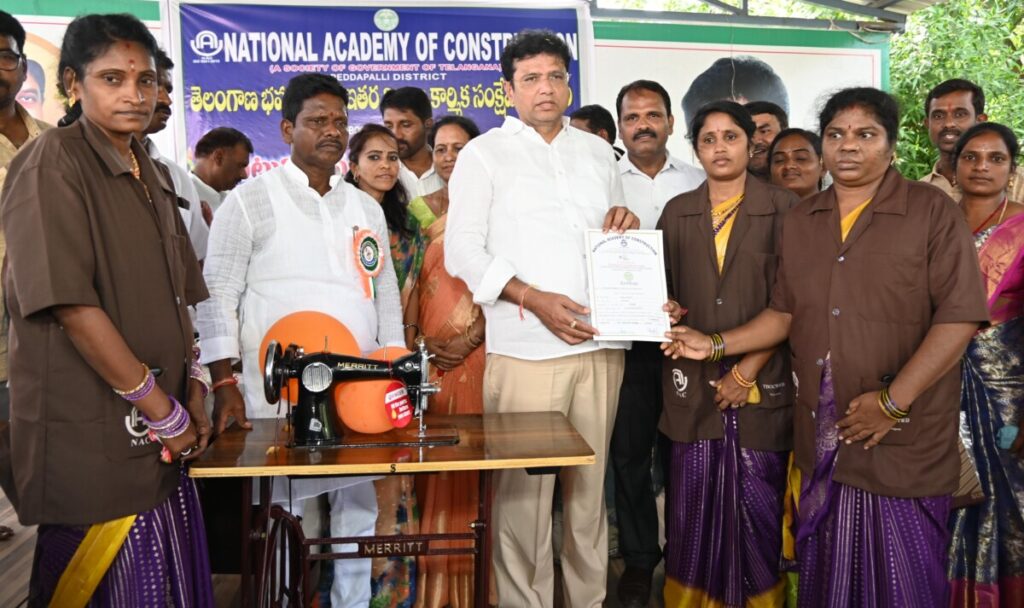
586, 389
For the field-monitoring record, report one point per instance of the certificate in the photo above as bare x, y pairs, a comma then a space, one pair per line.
626, 276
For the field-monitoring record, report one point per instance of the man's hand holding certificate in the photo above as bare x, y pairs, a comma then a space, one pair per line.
626, 274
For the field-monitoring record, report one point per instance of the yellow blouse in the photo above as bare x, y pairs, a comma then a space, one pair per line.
724, 212
846, 223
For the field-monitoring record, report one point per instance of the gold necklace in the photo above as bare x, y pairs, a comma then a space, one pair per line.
136, 171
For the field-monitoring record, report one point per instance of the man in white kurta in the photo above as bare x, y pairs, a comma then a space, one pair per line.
521, 198
283, 243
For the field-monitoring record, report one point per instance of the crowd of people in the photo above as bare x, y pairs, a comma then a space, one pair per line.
794, 258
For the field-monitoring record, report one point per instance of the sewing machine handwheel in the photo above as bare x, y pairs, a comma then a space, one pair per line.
272, 376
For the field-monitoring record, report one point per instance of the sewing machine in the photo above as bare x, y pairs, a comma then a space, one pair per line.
313, 420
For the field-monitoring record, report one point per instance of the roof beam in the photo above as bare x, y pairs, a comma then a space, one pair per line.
860, 9
722, 5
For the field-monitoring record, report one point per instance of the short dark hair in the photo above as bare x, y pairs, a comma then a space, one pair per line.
36, 71
164, 63
952, 86
882, 105
767, 107
643, 85
809, 137
304, 86
530, 43
89, 36
396, 199
461, 122
1009, 137
597, 118
221, 137
410, 99
9, 26
734, 78
738, 113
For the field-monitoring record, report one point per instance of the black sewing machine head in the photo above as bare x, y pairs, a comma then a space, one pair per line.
313, 419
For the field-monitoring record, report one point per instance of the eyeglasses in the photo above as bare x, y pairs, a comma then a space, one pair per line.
9, 60
532, 81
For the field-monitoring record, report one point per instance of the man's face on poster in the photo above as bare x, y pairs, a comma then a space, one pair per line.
31, 96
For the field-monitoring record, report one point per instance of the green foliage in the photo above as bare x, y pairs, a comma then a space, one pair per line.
980, 41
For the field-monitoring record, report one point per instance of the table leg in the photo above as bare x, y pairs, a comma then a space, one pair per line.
246, 561
482, 529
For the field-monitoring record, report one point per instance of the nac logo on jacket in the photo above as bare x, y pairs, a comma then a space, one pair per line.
680, 381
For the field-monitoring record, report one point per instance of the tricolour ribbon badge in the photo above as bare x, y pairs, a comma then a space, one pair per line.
367, 249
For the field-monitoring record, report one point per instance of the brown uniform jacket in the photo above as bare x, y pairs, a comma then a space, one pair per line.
80, 231
717, 303
908, 263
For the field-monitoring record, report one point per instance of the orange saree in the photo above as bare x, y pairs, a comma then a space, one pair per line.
448, 500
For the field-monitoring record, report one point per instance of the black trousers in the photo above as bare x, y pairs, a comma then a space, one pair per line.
634, 443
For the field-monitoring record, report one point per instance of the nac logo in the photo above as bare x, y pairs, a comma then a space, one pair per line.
681, 382
135, 425
206, 44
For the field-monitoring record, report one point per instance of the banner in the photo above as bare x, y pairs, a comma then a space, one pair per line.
235, 60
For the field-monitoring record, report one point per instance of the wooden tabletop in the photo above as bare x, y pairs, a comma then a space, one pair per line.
488, 441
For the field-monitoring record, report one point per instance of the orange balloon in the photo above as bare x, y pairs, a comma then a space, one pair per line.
361, 403
310, 330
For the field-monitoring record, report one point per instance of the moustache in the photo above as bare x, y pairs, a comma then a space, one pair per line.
760, 148
402, 143
945, 132
640, 134
162, 107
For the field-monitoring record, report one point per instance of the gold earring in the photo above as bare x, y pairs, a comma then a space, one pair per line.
1012, 182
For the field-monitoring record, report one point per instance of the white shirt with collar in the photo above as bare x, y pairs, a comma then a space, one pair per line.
519, 207
198, 231
207, 194
423, 185
646, 197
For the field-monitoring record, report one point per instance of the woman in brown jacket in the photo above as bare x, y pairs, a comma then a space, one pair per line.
729, 420
878, 294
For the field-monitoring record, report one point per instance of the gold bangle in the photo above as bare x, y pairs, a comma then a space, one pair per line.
138, 387
738, 377
717, 348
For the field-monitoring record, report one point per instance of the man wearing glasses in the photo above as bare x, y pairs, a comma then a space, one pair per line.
522, 196
16, 129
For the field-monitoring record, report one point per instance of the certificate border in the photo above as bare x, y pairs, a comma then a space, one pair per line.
660, 245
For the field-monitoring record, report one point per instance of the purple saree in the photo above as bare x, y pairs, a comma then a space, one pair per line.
163, 562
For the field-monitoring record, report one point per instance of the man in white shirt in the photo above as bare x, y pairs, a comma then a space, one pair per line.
283, 243
650, 178
522, 196
406, 112
198, 231
221, 162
